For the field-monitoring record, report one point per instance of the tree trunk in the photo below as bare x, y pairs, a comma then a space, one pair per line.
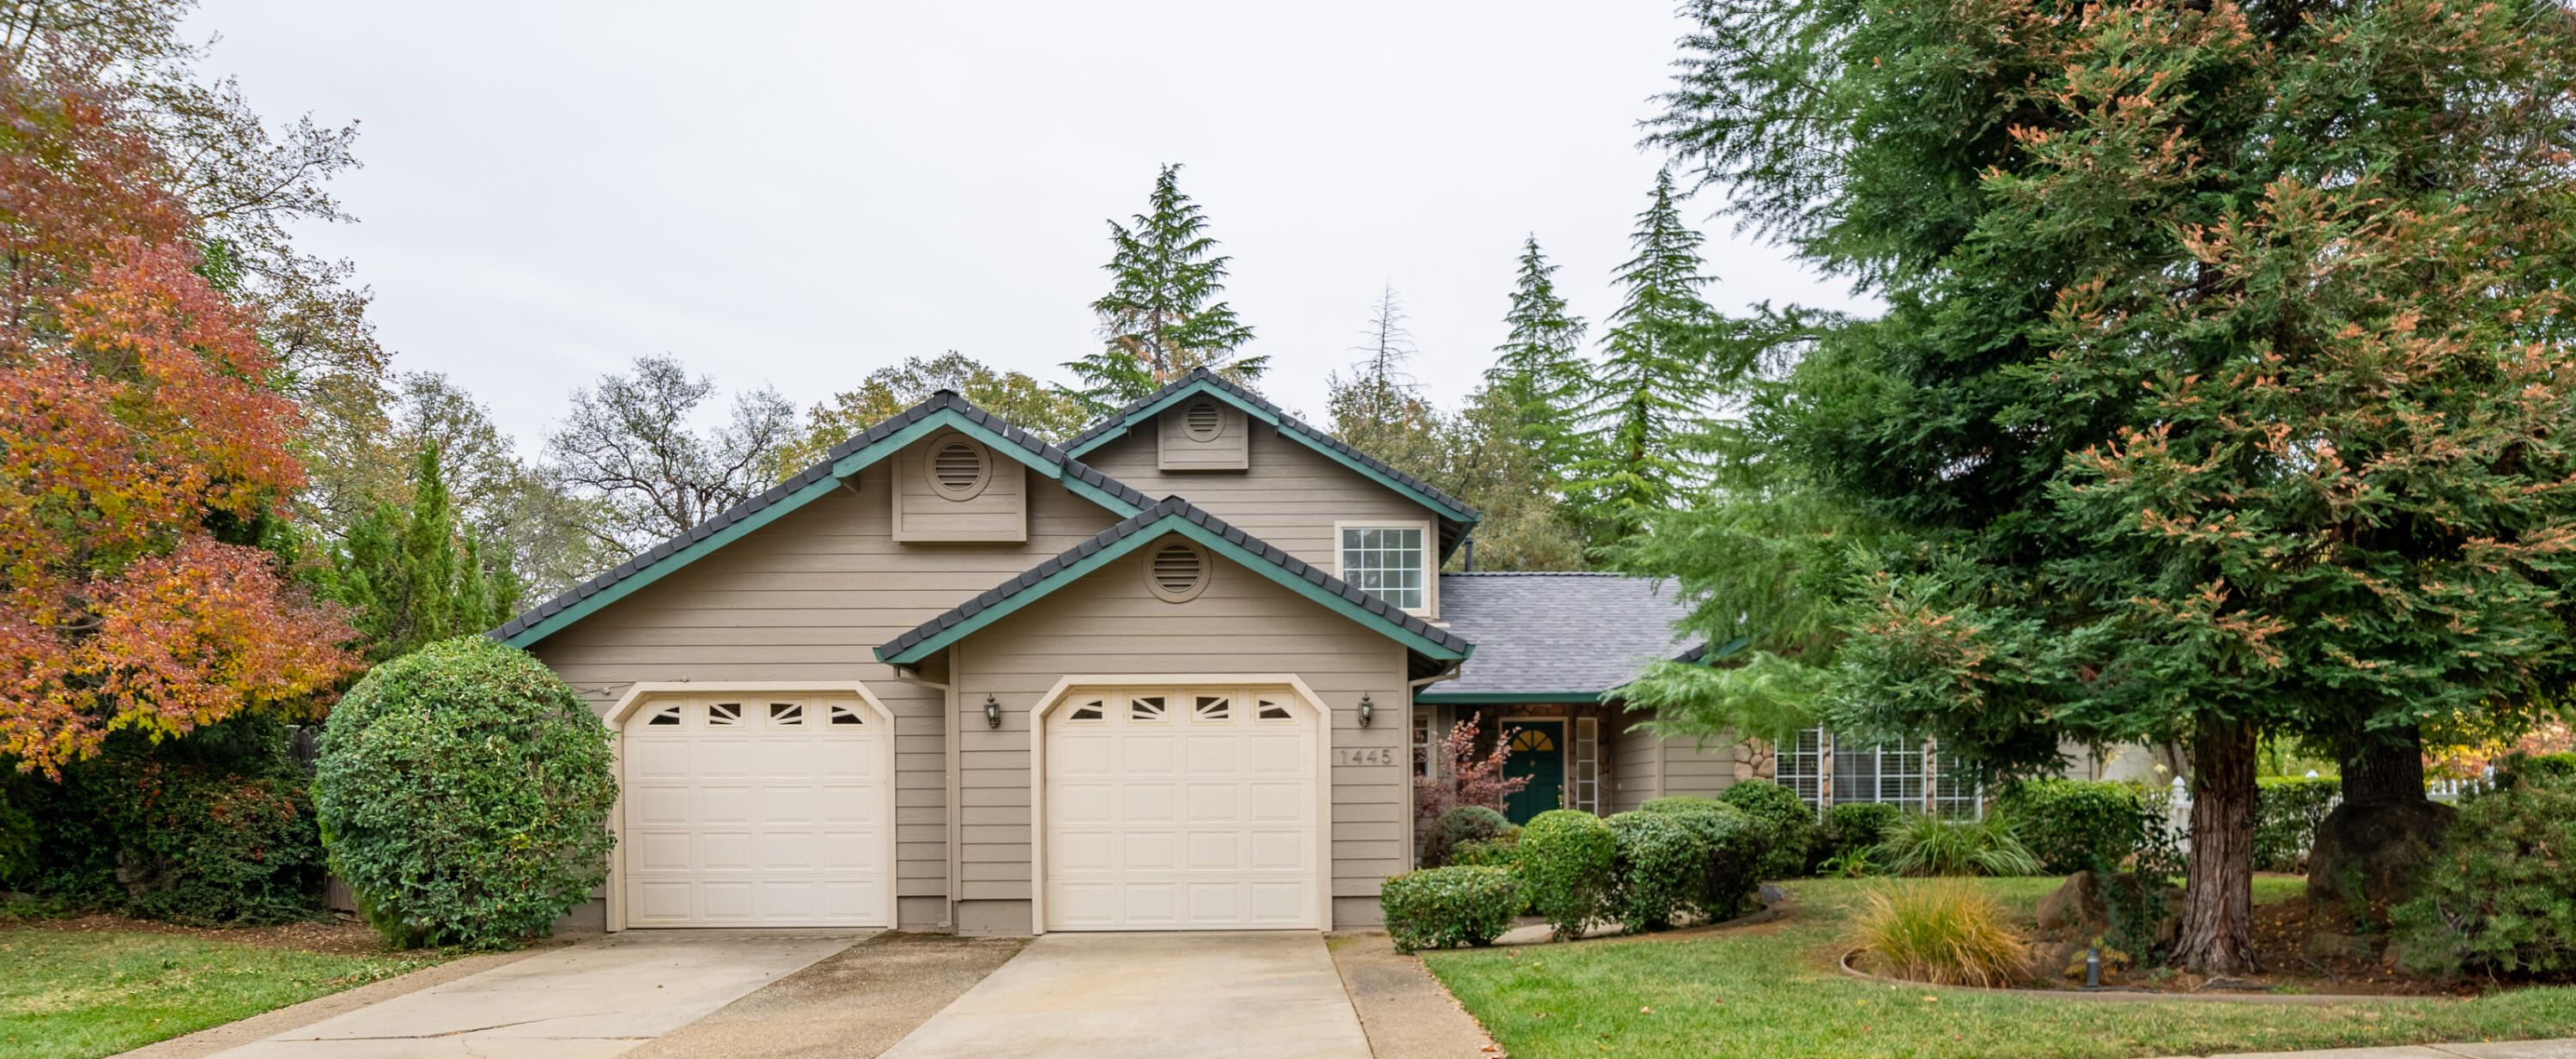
2385, 767
2218, 912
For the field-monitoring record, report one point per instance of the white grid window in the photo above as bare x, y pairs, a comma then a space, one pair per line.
1385, 561
1798, 765
1587, 765
1909, 773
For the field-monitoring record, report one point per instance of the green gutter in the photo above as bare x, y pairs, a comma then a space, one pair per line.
1480, 698
1128, 544
842, 469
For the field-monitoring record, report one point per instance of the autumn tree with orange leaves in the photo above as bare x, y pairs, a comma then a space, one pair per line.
2224, 384
144, 452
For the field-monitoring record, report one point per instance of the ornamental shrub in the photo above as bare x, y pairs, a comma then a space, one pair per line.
1436, 908
1568, 862
464, 792
1660, 869
2501, 898
1792, 823
2076, 825
1466, 823
1948, 933
1501, 851
2287, 810
1734, 843
1856, 826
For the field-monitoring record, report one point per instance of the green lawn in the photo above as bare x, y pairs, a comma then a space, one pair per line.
74, 995
1773, 995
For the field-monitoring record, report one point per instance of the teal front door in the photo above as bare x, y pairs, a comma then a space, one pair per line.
1538, 752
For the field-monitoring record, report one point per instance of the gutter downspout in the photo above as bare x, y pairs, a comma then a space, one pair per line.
948, 739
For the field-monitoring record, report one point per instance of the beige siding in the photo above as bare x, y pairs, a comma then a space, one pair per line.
1690, 770
805, 599
1636, 763
1290, 497
1645, 766
999, 513
1109, 623
1229, 450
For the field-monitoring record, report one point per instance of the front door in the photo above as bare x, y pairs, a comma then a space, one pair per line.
1538, 752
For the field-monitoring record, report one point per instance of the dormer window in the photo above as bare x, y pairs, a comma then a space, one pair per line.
1390, 562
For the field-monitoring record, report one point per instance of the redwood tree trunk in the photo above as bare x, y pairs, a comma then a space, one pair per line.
2218, 910
2385, 767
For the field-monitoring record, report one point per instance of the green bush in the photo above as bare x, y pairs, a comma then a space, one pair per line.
1660, 869
1856, 826
1928, 845
1436, 908
2076, 825
464, 792
214, 828
2287, 810
1501, 851
2560, 766
1567, 861
1683, 803
2502, 896
1734, 843
1466, 823
1792, 824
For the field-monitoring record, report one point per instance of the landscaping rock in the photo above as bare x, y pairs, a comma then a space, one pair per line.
2076, 906
2367, 855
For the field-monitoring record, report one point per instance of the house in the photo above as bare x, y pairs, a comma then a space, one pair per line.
1174, 673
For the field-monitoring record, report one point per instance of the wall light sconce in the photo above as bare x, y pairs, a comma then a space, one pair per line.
992, 713
1368, 710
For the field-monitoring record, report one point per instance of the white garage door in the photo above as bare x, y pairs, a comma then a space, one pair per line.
758, 810
1181, 809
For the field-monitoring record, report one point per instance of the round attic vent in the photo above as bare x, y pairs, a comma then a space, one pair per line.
1177, 573
959, 469
1202, 421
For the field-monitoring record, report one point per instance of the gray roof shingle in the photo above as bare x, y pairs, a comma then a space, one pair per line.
1557, 632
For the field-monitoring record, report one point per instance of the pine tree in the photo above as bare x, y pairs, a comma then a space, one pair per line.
414, 576
1161, 318
1539, 371
1647, 401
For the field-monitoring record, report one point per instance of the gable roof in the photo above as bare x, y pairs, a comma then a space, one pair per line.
944, 410
1201, 380
1554, 637
1173, 515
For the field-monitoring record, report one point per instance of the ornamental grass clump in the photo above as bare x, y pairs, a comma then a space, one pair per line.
1437, 908
464, 792
1945, 932
1928, 845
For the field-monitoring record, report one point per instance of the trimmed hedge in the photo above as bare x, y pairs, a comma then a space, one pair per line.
2502, 895
1568, 861
1437, 908
1660, 869
1856, 826
1791, 822
2287, 810
1732, 844
2076, 825
1466, 823
464, 792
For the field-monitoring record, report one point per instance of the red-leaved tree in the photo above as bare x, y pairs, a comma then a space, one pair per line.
1463, 777
141, 446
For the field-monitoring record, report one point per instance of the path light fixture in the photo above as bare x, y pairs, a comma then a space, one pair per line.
992, 713
1367, 710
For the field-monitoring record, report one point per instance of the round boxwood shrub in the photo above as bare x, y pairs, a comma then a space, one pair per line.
1466, 823
1436, 908
1856, 827
2076, 825
464, 793
1735, 844
1792, 823
1660, 869
1568, 862
2502, 896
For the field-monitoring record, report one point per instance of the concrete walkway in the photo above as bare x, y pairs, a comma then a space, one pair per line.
595, 999
1184, 995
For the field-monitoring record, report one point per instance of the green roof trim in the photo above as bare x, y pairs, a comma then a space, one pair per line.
1125, 421
941, 412
1172, 516
1482, 698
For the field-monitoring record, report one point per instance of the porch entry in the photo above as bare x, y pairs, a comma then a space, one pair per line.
1538, 755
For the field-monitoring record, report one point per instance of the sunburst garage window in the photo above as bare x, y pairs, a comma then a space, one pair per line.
1385, 560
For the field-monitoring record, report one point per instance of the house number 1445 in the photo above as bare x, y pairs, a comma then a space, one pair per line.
1367, 755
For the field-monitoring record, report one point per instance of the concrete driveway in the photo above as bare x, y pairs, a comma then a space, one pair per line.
1186, 995
595, 999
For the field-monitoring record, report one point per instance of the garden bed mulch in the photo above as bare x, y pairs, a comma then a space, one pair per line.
347, 937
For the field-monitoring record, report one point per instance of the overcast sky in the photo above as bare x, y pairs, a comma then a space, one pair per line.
797, 194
